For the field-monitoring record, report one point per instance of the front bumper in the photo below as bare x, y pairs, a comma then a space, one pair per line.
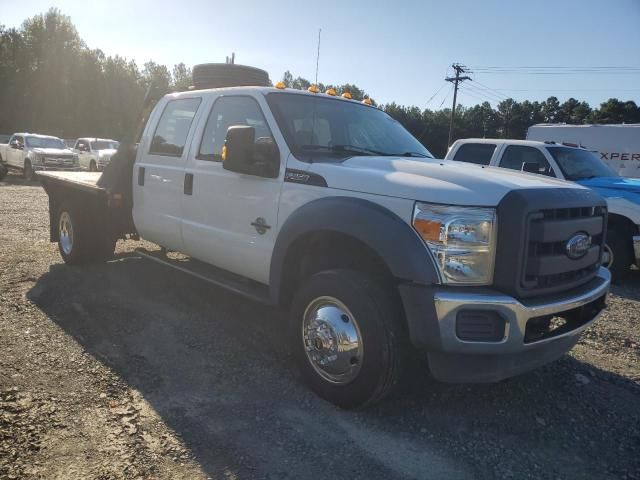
56, 168
636, 249
522, 344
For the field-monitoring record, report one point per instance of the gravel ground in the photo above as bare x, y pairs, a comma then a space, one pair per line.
132, 370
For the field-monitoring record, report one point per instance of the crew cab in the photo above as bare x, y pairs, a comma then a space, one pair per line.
569, 162
29, 152
94, 154
330, 209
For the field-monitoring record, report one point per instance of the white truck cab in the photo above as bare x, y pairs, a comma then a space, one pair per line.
330, 209
570, 162
95, 153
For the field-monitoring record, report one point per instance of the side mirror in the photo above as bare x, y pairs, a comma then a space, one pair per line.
242, 153
15, 144
531, 167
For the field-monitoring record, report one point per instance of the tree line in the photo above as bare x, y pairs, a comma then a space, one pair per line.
52, 82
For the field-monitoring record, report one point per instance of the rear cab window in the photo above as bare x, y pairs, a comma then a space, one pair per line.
173, 127
478, 153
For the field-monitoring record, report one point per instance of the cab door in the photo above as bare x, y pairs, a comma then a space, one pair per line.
81, 149
158, 174
15, 155
229, 219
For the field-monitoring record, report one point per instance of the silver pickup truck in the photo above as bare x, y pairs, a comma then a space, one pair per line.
29, 152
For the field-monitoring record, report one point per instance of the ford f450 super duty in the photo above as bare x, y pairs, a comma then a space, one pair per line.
330, 209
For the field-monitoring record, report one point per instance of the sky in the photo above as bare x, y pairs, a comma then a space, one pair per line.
395, 50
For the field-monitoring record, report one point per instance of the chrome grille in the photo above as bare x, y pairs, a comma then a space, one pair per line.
547, 265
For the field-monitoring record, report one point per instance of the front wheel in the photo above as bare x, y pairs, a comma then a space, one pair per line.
28, 171
346, 333
618, 255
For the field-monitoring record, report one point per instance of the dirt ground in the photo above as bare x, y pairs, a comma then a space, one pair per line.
132, 370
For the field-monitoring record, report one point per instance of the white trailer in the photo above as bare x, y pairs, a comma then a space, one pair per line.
616, 145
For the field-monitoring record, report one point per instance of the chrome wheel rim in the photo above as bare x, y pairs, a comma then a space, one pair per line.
607, 256
66, 233
332, 340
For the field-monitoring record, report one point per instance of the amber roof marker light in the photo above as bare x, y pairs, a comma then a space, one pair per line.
347, 95
280, 86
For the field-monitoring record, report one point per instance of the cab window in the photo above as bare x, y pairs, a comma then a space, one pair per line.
516, 156
173, 128
478, 153
228, 112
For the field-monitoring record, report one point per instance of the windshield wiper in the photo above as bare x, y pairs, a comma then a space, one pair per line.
342, 148
414, 154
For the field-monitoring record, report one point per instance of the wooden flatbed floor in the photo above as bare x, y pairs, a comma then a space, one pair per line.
79, 180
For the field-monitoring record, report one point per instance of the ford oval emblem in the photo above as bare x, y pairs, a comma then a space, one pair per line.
578, 245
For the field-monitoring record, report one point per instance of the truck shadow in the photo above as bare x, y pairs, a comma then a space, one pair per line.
15, 179
630, 288
216, 369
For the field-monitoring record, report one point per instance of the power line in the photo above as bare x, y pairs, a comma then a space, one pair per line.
481, 99
433, 96
486, 87
487, 93
556, 67
445, 97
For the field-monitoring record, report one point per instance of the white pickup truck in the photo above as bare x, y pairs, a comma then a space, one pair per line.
568, 162
28, 153
330, 209
95, 153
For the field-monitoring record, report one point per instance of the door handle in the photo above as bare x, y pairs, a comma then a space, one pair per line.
140, 176
188, 183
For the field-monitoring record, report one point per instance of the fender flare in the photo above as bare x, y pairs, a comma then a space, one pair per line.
395, 242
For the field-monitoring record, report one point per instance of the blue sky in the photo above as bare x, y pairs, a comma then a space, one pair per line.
397, 51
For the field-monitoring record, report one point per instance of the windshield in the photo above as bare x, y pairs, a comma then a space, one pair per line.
45, 142
330, 129
104, 145
577, 164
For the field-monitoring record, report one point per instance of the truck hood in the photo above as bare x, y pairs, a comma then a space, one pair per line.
628, 188
52, 151
430, 180
107, 152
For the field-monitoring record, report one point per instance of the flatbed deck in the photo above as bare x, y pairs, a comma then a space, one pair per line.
80, 180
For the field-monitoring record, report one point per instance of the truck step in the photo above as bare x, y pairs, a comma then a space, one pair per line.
217, 276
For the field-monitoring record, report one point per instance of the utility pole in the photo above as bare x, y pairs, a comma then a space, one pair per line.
459, 69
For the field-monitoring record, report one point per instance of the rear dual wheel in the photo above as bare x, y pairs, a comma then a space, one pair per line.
79, 242
347, 337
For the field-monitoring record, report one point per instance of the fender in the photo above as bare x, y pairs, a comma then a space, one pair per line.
395, 242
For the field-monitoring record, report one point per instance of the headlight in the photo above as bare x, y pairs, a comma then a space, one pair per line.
37, 158
462, 240
76, 159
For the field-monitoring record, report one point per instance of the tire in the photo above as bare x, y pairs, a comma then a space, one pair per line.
620, 250
78, 241
359, 307
3, 171
27, 172
92, 166
218, 75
